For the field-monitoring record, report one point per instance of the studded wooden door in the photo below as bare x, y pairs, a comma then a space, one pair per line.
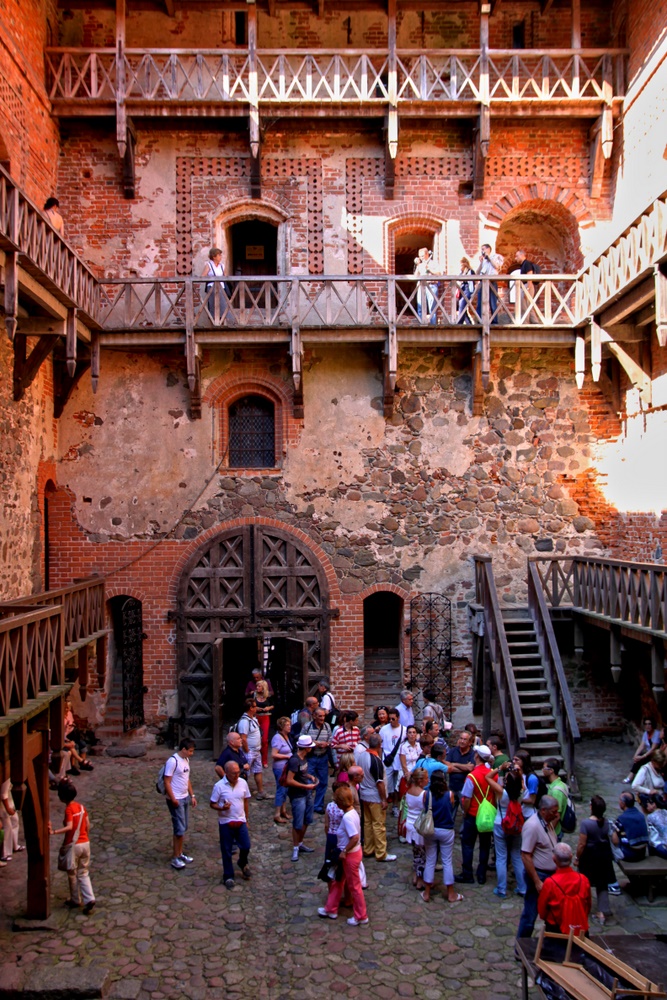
247, 582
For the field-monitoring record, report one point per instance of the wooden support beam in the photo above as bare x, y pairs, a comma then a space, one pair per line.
634, 371
576, 24
615, 654
129, 177
253, 92
579, 360
26, 366
39, 326
169, 7
389, 169
392, 81
11, 303
296, 353
478, 165
660, 279
121, 113
70, 342
596, 349
36, 819
255, 177
658, 670
195, 394
597, 160
82, 672
64, 384
95, 360
631, 302
477, 387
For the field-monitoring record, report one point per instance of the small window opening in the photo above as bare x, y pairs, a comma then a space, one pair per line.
240, 28
252, 437
519, 35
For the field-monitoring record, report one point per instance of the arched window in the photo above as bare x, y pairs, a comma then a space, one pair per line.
252, 433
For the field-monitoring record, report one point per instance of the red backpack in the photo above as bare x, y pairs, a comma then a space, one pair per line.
573, 915
512, 822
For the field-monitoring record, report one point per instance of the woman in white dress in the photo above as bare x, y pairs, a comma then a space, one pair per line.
409, 753
215, 291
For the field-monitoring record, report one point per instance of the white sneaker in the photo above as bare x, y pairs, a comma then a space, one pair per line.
295, 854
177, 863
325, 913
387, 857
186, 858
353, 922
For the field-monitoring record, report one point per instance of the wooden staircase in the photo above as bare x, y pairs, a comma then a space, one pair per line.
542, 739
382, 677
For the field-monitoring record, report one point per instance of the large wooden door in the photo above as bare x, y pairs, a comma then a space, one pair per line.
247, 581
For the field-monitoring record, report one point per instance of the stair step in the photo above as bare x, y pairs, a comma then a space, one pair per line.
512, 623
519, 662
540, 747
525, 668
537, 718
521, 646
536, 731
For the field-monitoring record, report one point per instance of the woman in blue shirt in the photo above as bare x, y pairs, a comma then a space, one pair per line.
442, 804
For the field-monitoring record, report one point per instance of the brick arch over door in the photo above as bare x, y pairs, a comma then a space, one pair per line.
251, 580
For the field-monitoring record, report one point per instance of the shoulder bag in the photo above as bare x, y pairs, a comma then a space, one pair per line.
424, 824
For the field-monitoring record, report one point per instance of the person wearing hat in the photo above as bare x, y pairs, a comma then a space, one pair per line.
475, 789
301, 785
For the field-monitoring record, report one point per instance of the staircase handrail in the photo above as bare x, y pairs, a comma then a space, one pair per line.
496, 641
566, 720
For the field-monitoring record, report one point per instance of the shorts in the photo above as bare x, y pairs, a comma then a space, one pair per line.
254, 758
179, 815
302, 810
393, 779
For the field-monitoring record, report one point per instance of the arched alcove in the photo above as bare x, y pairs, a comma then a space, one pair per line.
243, 229
548, 233
383, 621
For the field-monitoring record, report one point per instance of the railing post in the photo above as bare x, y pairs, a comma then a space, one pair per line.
486, 333
121, 113
392, 83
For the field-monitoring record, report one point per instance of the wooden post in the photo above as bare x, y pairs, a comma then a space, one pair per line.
596, 349
392, 81
658, 668
576, 24
660, 305
579, 360
615, 655
253, 95
121, 114
70, 342
486, 334
11, 290
484, 90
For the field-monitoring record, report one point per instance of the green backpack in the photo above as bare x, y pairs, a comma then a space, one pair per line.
486, 814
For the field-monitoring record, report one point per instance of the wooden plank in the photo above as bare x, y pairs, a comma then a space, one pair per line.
660, 279
627, 303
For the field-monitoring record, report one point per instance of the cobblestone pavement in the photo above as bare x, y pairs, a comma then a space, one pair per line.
175, 934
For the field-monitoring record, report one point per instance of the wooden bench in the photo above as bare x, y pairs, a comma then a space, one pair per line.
650, 870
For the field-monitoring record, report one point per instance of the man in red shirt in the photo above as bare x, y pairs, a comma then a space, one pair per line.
565, 899
474, 790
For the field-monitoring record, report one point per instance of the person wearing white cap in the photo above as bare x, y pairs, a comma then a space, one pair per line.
475, 789
301, 785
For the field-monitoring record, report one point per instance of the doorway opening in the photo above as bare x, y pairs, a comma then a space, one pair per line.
240, 657
126, 699
407, 246
383, 620
254, 247
287, 672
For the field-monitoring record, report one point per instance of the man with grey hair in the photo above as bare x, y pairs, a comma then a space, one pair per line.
538, 842
362, 745
373, 796
233, 751
406, 716
230, 799
565, 900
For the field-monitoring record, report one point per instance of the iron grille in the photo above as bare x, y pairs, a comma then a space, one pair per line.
252, 438
431, 647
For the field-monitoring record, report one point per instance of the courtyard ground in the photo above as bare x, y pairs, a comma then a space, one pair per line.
167, 935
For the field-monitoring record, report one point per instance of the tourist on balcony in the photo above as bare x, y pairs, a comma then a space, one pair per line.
525, 289
75, 849
649, 742
649, 779
464, 292
594, 855
426, 291
490, 263
51, 206
216, 291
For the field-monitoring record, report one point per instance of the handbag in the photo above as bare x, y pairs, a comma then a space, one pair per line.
424, 824
66, 852
486, 813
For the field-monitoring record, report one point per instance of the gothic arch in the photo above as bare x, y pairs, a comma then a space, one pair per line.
415, 221
253, 580
226, 389
547, 230
261, 211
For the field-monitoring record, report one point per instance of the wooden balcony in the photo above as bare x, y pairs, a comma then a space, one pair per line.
296, 81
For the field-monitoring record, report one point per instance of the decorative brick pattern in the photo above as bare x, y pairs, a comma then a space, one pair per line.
273, 172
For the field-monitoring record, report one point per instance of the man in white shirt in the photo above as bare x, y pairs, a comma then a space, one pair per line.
251, 741
326, 699
178, 789
406, 715
230, 798
392, 735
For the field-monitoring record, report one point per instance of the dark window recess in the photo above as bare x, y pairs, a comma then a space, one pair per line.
519, 35
252, 436
240, 28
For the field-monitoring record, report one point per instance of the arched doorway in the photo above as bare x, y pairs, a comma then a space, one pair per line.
383, 630
547, 232
253, 595
126, 697
253, 246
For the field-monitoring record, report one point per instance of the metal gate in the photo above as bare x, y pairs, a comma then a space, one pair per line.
431, 647
131, 654
247, 582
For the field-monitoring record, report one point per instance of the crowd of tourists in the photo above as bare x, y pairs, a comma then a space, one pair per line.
434, 785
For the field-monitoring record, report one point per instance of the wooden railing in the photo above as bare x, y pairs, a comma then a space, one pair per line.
633, 594
496, 641
632, 256
82, 606
31, 656
559, 692
337, 300
289, 76
23, 229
